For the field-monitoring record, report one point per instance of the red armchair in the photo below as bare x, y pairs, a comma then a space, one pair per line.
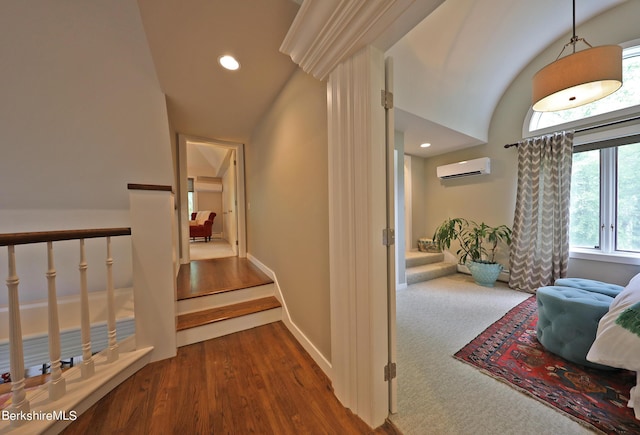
200, 225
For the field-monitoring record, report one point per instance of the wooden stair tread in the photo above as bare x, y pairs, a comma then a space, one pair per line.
231, 288
219, 275
212, 315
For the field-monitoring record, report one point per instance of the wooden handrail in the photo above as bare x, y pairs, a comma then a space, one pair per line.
12, 239
133, 186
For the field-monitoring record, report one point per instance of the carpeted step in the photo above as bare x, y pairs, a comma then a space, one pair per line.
427, 272
419, 258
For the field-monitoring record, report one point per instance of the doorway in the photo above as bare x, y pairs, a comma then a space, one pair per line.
211, 179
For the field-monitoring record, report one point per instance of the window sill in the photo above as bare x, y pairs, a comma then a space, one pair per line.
620, 258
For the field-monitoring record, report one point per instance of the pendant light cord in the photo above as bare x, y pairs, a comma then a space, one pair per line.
574, 38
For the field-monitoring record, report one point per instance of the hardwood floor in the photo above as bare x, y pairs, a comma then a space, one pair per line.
202, 277
256, 381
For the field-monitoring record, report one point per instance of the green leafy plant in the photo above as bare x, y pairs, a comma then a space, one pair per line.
478, 242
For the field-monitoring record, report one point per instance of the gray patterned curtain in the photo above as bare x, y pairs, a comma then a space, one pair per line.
540, 245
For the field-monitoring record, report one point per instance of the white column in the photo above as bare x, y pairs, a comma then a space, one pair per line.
154, 283
112, 352
358, 259
57, 387
86, 366
16, 358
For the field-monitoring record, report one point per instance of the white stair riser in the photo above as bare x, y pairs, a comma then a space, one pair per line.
227, 298
426, 275
225, 327
420, 260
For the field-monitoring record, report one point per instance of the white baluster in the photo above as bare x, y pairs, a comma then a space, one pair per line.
112, 353
57, 385
19, 396
86, 367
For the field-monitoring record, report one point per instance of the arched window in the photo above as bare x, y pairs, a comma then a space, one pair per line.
605, 198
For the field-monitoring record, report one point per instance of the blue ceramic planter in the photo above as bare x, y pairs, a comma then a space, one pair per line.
484, 274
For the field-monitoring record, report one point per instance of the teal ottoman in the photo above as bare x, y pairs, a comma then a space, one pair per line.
568, 320
591, 285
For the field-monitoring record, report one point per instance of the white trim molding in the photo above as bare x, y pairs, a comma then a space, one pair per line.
326, 32
340, 26
357, 216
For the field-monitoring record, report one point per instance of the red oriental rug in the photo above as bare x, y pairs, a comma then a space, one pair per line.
509, 351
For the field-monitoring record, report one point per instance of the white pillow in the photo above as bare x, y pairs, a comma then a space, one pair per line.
614, 345
202, 216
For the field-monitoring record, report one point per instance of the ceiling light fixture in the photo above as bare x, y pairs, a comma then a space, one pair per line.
425, 145
229, 62
579, 78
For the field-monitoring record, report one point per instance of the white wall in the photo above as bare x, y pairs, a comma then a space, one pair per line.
212, 201
419, 206
288, 202
81, 116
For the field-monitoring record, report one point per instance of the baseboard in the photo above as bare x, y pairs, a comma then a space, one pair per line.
401, 286
304, 341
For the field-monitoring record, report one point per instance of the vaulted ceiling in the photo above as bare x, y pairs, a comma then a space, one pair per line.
450, 70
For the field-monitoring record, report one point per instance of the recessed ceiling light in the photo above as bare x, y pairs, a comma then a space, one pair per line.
229, 62
425, 145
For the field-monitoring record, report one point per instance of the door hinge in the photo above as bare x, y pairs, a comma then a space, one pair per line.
387, 99
236, 243
390, 371
388, 237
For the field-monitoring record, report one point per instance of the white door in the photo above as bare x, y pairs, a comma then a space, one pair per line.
391, 257
230, 204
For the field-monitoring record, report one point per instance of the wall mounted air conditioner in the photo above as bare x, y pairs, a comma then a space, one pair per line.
207, 184
464, 169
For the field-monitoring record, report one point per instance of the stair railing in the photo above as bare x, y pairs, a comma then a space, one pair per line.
56, 383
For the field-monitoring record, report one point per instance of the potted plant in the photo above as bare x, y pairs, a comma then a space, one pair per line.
478, 245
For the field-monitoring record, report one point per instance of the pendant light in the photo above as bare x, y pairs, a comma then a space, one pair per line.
578, 78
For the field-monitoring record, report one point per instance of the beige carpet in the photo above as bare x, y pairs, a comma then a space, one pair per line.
216, 248
440, 395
